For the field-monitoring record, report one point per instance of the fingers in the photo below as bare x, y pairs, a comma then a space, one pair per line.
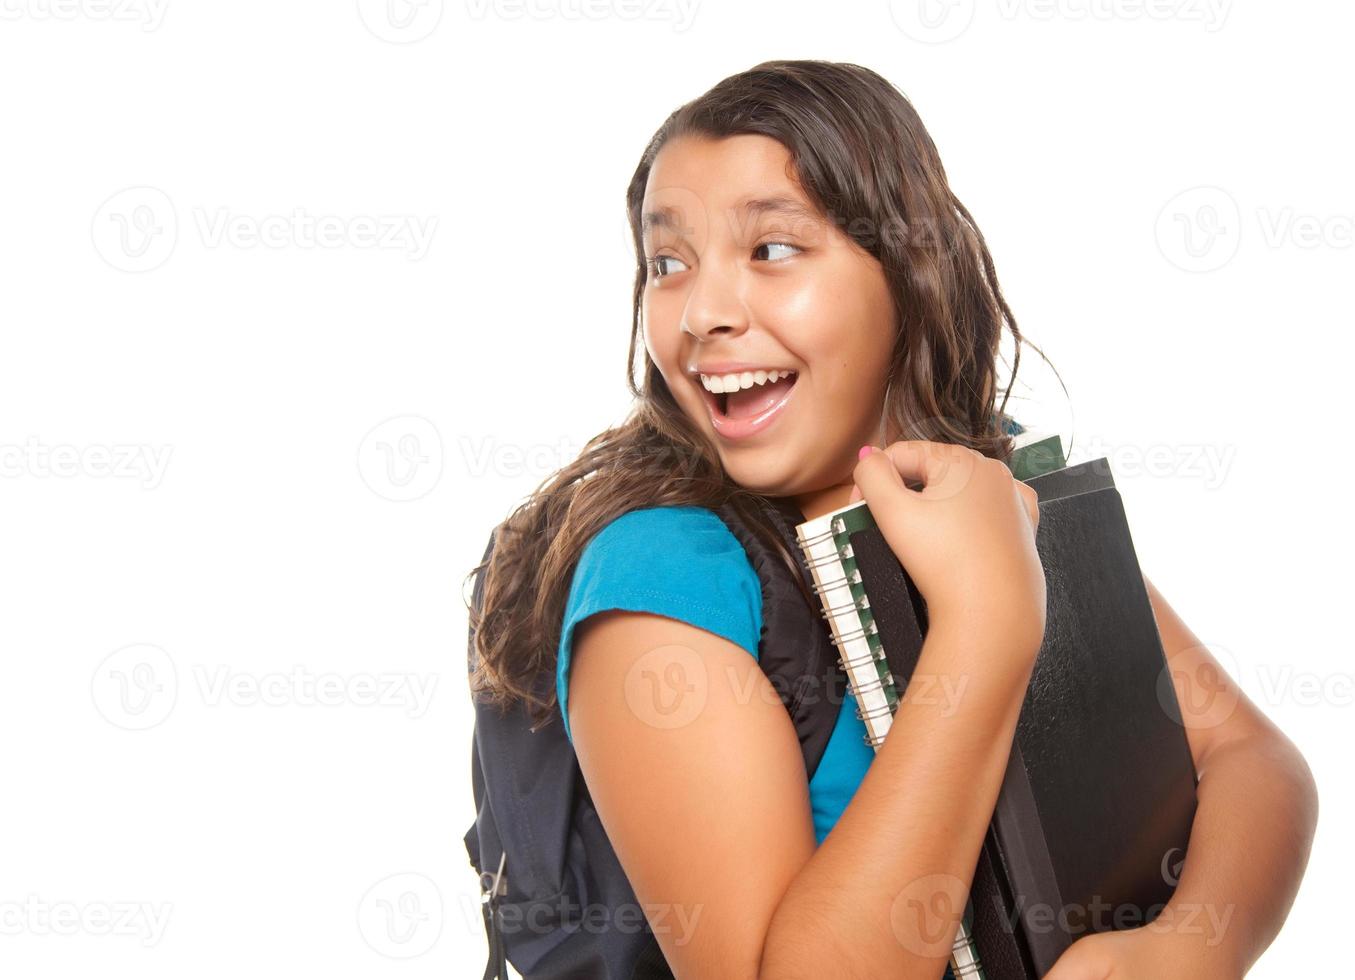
875, 475
941, 468
931, 462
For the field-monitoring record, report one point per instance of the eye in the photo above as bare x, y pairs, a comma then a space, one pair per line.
655, 270
777, 245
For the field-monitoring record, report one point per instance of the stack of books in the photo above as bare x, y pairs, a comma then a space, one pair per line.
1096, 804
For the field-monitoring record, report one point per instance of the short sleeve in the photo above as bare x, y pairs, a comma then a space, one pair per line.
682, 562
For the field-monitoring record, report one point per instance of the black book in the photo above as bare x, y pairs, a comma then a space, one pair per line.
1094, 814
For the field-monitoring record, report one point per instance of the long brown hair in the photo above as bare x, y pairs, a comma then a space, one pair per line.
863, 157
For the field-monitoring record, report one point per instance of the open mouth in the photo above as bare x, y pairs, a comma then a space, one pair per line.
752, 404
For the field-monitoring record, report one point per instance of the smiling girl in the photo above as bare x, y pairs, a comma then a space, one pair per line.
820, 320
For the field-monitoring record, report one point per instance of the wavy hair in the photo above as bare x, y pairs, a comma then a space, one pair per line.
865, 160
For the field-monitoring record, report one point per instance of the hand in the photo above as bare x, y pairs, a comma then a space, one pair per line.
967, 537
1129, 954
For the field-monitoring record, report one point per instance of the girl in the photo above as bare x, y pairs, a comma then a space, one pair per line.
808, 286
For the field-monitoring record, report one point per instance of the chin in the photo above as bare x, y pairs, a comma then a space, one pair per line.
773, 468
767, 470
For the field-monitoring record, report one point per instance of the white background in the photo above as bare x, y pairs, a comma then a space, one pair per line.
194, 412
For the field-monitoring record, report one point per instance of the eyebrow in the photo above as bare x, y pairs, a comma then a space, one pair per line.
779, 206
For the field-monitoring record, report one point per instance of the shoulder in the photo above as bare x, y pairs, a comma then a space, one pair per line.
681, 554
657, 533
680, 562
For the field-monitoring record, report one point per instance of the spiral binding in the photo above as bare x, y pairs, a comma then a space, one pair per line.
834, 528
876, 685
836, 558
830, 611
964, 950
886, 712
868, 630
850, 664
853, 579
964, 958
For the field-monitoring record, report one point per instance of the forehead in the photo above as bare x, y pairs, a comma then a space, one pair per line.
695, 174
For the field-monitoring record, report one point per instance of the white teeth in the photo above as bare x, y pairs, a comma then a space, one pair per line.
721, 383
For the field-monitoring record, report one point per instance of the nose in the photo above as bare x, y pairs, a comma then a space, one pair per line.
714, 307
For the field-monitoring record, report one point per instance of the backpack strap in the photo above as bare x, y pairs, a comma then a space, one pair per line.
493, 886
795, 649
492, 889
795, 652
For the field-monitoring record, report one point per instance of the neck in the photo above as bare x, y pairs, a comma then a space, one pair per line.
816, 503
819, 502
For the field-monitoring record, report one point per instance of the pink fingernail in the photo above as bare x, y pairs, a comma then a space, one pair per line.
865, 451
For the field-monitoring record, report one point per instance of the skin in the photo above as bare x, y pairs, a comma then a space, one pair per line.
705, 798
813, 301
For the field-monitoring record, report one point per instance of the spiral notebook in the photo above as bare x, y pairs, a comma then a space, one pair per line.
1098, 797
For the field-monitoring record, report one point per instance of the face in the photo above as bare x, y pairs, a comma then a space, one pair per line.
736, 286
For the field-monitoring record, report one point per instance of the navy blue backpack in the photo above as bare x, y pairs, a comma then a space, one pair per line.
556, 903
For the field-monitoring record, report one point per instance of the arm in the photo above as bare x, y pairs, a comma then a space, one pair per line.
698, 779
1249, 843
701, 788
1257, 808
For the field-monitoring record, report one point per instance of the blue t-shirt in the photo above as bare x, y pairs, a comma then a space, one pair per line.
685, 563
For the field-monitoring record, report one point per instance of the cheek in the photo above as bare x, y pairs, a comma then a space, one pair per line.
647, 328
802, 309
659, 330
665, 350
846, 340
834, 329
